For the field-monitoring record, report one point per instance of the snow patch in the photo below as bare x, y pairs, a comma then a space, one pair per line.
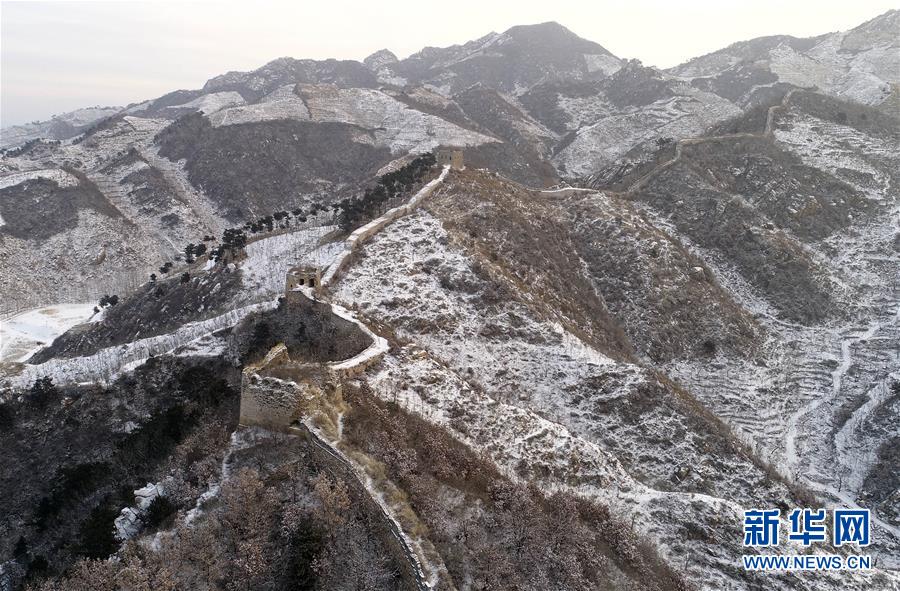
212, 102
605, 63
24, 334
60, 177
394, 124
282, 103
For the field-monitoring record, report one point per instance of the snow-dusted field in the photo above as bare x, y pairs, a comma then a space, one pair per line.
24, 334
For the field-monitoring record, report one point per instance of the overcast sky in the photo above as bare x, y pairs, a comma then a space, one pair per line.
59, 56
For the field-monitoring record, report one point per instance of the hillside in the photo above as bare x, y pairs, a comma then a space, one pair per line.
514, 313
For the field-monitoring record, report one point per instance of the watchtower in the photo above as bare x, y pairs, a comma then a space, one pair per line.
305, 276
452, 157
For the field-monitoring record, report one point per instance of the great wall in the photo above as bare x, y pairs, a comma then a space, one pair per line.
262, 408
766, 133
284, 395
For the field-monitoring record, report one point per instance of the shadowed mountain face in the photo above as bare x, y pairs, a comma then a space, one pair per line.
649, 301
517, 59
274, 161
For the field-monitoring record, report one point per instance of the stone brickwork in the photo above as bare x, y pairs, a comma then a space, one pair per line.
278, 392
452, 157
305, 277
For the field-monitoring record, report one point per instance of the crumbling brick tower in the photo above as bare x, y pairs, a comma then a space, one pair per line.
308, 276
278, 392
452, 157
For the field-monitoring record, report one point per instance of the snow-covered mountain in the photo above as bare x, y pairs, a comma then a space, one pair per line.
582, 386
860, 65
60, 127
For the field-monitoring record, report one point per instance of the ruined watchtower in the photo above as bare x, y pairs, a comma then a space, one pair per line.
452, 157
305, 276
278, 391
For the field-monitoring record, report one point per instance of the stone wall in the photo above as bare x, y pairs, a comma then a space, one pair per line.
271, 403
400, 545
276, 393
365, 232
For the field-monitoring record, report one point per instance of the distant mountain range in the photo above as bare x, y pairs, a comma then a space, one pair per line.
60, 127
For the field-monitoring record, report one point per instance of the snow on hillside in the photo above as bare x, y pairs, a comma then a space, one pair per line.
498, 375
391, 122
512, 434
59, 127
614, 134
212, 102
861, 159
282, 103
60, 177
107, 364
23, 334
863, 77
608, 64
526, 446
102, 145
818, 404
100, 255
264, 270
88, 115
401, 281
859, 65
412, 279
395, 125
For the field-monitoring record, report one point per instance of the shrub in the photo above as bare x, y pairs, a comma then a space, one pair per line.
97, 538
42, 391
160, 510
7, 416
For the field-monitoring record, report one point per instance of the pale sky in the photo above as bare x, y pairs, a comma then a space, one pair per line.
59, 56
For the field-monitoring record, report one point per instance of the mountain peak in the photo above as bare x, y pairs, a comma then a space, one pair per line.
548, 27
379, 59
552, 37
